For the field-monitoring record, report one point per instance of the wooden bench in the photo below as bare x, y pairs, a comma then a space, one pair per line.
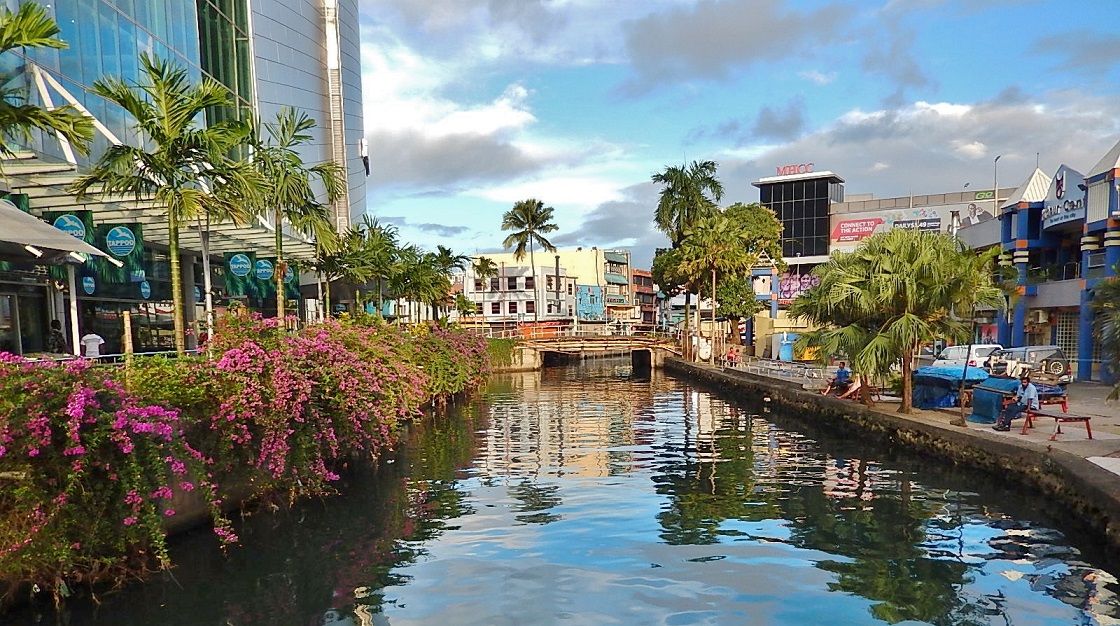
1059, 419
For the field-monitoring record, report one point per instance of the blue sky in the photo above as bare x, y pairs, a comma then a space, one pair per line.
472, 105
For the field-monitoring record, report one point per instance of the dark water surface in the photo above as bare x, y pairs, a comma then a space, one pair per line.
588, 495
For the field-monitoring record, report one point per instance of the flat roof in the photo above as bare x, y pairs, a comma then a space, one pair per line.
789, 178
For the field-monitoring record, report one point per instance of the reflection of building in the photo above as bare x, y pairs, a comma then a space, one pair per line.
267, 53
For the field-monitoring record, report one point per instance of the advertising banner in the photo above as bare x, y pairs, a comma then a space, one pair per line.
80, 225
793, 284
849, 229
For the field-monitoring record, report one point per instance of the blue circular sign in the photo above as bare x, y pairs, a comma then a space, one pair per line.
71, 224
240, 264
145, 290
289, 274
197, 294
121, 241
264, 269
89, 285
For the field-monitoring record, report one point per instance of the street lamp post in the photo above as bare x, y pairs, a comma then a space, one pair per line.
995, 187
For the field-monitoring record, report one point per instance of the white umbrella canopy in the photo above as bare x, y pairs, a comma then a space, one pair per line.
22, 235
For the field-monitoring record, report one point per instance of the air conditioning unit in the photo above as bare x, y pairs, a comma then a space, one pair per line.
1040, 316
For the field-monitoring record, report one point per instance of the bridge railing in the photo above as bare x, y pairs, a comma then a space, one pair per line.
530, 332
808, 375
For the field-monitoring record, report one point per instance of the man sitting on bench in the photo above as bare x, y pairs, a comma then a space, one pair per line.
840, 381
1026, 396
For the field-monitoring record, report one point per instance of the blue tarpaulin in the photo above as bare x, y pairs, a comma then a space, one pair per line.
987, 398
938, 387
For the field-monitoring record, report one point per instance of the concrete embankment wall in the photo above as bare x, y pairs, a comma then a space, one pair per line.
1088, 493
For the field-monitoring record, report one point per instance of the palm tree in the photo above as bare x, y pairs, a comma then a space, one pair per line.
289, 185
381, 244
1106, 306
688, 193
32, 27
899, 289
484, 268
179, 165
717, 245
347, 259
528, 219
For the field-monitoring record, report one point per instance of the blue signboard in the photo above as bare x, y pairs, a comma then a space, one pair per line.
71, 224
121, 241
197, 294
289, 274
239, 265
1065, 201
89, 285
145, 290
264, 269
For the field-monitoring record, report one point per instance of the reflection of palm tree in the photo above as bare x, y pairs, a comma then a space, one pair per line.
536, 500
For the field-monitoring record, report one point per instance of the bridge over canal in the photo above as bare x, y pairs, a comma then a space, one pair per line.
646, 351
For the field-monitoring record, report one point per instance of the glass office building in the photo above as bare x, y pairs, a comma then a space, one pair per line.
267, 53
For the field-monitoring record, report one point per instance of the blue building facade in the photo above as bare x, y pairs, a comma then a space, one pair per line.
589, 303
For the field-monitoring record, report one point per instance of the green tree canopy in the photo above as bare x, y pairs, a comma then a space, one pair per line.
289, 184
181, 166
527, 221
1106, 306
897, 290
688, 194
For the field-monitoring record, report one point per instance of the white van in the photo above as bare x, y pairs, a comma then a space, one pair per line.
955, 356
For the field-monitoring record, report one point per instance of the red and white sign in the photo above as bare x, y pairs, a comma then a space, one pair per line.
855, 230
799, 168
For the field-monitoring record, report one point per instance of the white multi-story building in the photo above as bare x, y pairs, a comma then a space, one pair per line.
522, 294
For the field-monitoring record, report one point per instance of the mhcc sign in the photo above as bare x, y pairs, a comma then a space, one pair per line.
799, 168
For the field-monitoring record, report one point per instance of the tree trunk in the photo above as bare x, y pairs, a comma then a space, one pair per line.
280, 269
327, 299
176, 285
907, 386
380, 304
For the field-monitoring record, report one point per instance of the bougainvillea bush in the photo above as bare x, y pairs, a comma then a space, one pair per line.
297, 405
87, 473
90, 455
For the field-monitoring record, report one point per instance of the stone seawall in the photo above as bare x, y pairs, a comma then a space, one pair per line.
1088, 493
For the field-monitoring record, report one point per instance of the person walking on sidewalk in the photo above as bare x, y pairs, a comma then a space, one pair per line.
1026, 396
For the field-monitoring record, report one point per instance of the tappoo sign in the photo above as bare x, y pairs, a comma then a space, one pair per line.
121, 241
240, 265
71, 224
1065, 201
264, 269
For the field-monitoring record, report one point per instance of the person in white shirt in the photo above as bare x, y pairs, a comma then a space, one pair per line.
91, 344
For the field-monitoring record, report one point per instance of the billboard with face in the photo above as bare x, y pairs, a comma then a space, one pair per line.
849, 229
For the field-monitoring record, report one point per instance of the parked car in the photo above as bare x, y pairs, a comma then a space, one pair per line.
959, 355
1046, 363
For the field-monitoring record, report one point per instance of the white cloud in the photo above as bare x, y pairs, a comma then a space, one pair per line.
817, 77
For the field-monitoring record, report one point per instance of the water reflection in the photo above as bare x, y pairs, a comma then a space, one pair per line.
588, 495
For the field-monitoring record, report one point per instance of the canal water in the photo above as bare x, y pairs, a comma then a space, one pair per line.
594, 495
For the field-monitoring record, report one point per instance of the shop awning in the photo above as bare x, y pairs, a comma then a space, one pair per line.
614, 257
27, 239
616, 279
